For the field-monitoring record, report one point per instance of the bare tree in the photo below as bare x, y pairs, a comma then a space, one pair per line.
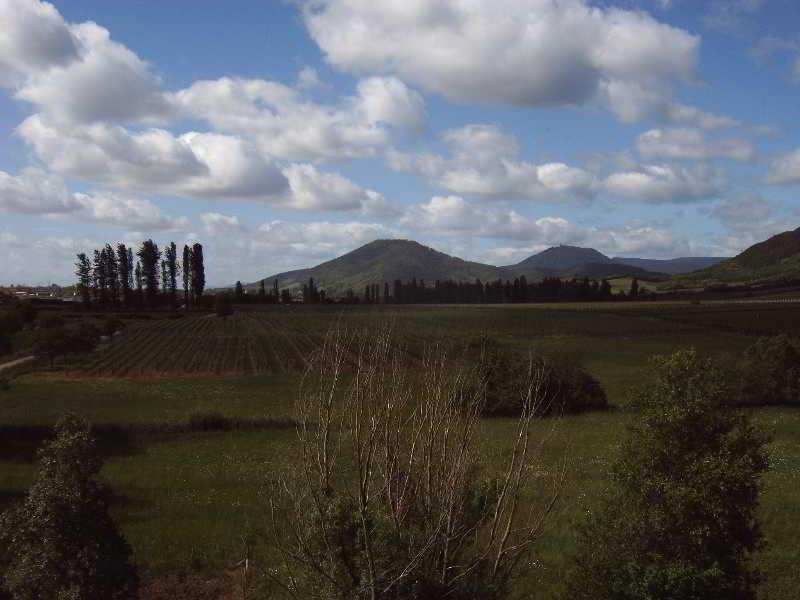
391, 500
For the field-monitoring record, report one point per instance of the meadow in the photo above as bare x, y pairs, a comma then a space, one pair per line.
189, 488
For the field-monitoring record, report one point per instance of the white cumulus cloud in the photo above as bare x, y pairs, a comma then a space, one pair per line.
512, 52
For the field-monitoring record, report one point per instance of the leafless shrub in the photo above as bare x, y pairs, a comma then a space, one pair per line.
390, 500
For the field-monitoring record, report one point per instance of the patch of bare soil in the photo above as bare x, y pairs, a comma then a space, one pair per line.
193, 586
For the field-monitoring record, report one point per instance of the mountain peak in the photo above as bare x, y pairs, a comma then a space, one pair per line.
559, 258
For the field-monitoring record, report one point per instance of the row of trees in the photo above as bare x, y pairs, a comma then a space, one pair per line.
549, 289
111, 277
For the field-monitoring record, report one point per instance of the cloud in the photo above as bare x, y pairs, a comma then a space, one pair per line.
154, 160
216, 224
283, 124
748, 219
691, 144
510, 52
771, 45
785, 169
455, 217
743, 212
484, 161
728, 16
39, 193
75, 72
193, 165
664, 183
308, 79
34, 37
315, 190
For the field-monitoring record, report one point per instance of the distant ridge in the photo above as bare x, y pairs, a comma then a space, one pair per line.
384, 261
774, 260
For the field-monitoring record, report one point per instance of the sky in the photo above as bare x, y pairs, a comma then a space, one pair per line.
283, 133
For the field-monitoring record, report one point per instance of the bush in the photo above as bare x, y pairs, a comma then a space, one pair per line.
566, 387
679, 520
60, 542
769, 372
222, 305
388, 500
53, 341
208, 421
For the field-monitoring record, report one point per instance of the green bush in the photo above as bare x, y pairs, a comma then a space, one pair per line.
223, 305
679, 518
564, 386
769, 372
60, 542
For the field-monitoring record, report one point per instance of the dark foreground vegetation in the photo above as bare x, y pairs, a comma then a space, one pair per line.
217, 494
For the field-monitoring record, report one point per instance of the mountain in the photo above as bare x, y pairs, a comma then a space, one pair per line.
774, 260
574, 261
609, 270
384, 261
672, 266
560, 258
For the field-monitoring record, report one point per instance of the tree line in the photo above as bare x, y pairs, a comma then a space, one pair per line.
111, 277
549, 289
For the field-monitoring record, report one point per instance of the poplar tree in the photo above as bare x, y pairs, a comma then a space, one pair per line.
149, 257
124, 273
171, 282
164, 278
187, 274
198, 272
99, 277
83, 271
112, 273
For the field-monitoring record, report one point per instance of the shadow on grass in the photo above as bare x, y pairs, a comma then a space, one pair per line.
22, 442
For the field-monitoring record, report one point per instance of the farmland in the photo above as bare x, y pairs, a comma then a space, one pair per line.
187, 495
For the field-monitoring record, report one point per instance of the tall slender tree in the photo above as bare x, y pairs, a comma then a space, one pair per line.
164, 278
83, 271
187, 275
171, 283
149, 256
124, 273
99, 277
198, 271
130, 268
138, 277
112, 273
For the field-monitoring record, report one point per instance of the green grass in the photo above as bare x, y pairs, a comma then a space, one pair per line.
184, 500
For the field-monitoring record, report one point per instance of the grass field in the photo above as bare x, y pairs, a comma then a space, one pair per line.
185, 498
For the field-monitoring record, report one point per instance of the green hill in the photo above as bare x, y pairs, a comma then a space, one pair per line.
607, 270
560, 259
384, 261
772, 261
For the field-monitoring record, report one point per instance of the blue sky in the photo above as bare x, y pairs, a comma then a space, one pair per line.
280, 134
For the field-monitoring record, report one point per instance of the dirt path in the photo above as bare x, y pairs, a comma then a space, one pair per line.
14, 363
